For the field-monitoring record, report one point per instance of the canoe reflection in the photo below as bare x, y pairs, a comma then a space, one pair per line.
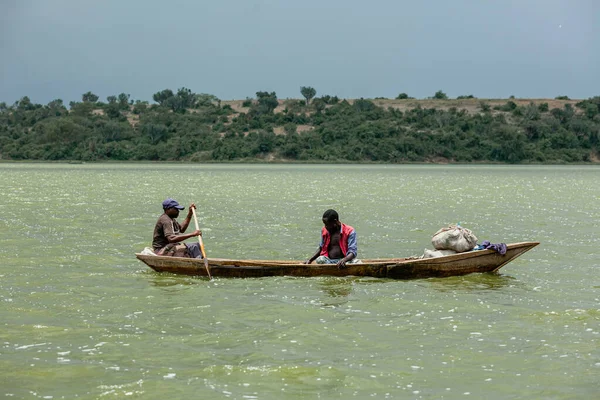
473, 282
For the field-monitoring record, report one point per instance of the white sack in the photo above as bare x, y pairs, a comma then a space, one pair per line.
454, 238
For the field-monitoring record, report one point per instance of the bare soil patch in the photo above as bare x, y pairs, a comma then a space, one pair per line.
472, 106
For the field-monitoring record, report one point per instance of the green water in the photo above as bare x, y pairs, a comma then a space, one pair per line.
80, 317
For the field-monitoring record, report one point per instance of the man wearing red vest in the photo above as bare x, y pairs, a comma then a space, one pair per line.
338, 242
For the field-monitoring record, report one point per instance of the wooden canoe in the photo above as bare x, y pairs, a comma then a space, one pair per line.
393, 268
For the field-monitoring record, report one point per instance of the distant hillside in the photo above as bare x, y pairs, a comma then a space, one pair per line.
185, 126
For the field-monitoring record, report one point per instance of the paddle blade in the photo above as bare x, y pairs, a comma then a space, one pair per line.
207, 269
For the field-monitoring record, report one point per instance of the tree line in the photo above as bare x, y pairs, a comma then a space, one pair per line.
185, 126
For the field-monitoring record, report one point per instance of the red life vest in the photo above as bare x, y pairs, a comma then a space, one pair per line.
346, 231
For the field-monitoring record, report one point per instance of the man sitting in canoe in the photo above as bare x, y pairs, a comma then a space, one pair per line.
169, 235
338, 242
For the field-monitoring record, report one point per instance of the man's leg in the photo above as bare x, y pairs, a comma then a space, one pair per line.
194, 250
325, 260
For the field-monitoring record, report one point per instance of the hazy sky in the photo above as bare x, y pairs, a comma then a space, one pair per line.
349, 48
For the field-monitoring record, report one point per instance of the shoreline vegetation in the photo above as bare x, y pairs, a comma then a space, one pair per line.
183, 126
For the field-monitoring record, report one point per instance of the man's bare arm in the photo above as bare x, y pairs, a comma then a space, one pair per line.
181, 238
186, 221
314, 257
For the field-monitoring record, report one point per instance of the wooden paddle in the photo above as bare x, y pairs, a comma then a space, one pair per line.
201, 244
